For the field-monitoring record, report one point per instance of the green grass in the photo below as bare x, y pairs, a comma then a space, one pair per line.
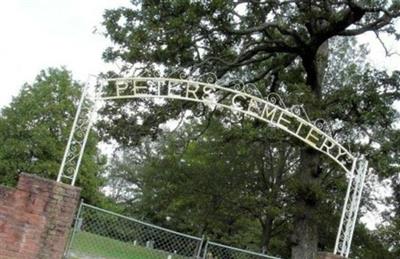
90, 246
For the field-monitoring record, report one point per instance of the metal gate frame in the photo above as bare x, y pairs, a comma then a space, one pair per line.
83, 121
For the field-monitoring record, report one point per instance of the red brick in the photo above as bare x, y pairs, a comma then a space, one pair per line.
35, 218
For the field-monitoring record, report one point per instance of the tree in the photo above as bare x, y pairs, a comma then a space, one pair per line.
389, 231
282, 46
34, 131
227, 181
207, 185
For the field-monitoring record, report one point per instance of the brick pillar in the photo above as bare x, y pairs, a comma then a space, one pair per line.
325, 255
35, 218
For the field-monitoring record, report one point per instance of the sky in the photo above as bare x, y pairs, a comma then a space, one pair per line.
37, 34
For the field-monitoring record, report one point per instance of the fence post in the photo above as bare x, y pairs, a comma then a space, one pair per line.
205, 250
198, 254
77, 225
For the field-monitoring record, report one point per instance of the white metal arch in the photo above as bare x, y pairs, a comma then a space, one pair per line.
270, 110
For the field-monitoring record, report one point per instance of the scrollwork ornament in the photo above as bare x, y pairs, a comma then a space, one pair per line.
81, 118
252, 89
80, 134
209, 78
321, 124
276, 99
73, 149
183, 75
237, 85
149, 73
296, 109
178, 73
71, 156
70, 170
155, 73
300, 111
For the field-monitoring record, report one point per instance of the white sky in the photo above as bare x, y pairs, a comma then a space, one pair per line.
37, 34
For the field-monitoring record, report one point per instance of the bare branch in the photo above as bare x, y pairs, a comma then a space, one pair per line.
382, 43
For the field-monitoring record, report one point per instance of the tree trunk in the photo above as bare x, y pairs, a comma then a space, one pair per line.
305, 234
266, 235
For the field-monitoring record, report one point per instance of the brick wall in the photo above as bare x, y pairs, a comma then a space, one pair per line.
35, 218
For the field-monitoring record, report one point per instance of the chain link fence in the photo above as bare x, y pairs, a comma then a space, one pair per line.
103, 234
218, 251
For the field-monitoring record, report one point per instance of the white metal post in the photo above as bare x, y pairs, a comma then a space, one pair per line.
78, 163
344, 211
350, 209
71, 134
363, 172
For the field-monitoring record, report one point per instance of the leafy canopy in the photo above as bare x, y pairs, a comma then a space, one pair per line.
34, 131
295, 48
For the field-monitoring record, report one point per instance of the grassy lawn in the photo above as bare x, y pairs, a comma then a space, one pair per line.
91, 246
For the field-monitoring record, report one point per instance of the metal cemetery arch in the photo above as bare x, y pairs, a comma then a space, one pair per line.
272, 111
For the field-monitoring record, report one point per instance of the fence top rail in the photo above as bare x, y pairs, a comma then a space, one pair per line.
242, 250
140, 222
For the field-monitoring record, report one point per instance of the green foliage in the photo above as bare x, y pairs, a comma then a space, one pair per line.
223, 35
206, 176
289, 47
368, 244
218, 183
34, 131
389, 232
